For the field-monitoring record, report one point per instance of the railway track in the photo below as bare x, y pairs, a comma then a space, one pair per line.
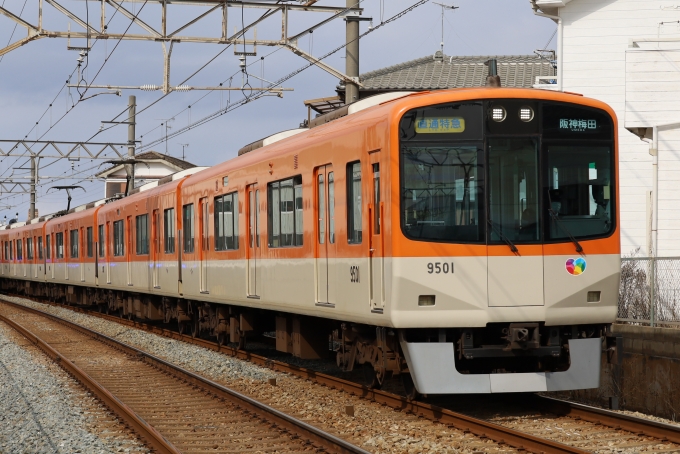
172, 409
593, 429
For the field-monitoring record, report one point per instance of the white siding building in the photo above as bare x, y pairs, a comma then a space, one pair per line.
627, 54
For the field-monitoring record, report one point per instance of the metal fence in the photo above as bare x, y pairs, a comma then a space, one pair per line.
650, 291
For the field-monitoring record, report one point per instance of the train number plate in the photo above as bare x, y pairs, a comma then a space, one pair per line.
440, 268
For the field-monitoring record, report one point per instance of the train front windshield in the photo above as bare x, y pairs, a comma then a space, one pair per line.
507, 170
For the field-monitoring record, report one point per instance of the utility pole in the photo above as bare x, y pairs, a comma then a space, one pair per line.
132, 112
352, 55
34, 181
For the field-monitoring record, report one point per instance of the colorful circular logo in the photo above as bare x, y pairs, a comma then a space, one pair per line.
576, 266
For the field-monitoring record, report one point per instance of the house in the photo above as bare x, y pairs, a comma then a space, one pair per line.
627, 54
155, 166
440, 71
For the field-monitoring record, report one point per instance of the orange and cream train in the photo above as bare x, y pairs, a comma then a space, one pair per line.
467, 240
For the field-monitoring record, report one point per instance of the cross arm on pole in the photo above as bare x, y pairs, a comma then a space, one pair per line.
329, 69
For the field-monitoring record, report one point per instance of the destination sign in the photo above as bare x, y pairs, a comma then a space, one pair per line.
440, 125
578, 125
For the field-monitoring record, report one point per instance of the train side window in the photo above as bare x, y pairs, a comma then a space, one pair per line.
48, 243
142, 234
90, 239
11, 250
118, 238
101, 240
354, 223
226, 222
20, 252
40, 248
285, 212
29, 248
73, 239
188, 226
169, 230
59, 245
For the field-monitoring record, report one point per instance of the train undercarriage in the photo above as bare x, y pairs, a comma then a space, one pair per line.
499, 348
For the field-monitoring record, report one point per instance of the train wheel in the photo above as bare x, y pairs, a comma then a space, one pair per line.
194, 328
409, 386
181, 327
221, 339
371, 378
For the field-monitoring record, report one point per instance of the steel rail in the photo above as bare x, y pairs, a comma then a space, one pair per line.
328, 442
478, 427
662, 431
155, 440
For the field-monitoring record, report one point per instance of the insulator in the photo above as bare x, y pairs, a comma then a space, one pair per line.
149, 87
182, 88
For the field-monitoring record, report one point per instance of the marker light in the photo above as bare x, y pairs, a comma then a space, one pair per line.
498, 114
526, 114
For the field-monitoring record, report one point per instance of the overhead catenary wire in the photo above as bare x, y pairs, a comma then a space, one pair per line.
49, 108
261, 92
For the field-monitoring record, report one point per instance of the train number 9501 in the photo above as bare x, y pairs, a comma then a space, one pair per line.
354, 274
440, 268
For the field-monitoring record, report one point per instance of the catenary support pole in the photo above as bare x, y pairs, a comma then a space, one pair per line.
352, 55
34, 178
132, 103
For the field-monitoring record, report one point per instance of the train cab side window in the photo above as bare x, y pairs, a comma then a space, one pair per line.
29, 248
48, 246
101, 240
226, 222
73, 240
20, 252
354, 223
188, 226
118, 238
90, 240
142, 234
285, 212
169, 230
40, 248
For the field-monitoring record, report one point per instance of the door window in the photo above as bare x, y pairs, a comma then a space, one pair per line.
513, 190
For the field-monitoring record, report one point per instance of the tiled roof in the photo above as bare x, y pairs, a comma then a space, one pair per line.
429, 73
156, 155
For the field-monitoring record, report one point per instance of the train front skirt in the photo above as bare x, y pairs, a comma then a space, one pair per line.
433, 368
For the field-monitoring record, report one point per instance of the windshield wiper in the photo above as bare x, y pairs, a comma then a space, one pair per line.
510, 244
559, 223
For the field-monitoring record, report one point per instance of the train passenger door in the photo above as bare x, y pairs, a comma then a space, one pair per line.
376, 244
203, 226
108, 252
253, 197
155, 246
515, 263
326, 252
82, 251
128, 249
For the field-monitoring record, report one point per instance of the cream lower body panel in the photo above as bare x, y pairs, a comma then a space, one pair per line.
462, 298
433, 369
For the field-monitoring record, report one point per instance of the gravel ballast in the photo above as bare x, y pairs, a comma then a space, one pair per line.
44, 410
374, 427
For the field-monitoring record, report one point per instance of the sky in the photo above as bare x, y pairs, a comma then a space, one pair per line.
33, 77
